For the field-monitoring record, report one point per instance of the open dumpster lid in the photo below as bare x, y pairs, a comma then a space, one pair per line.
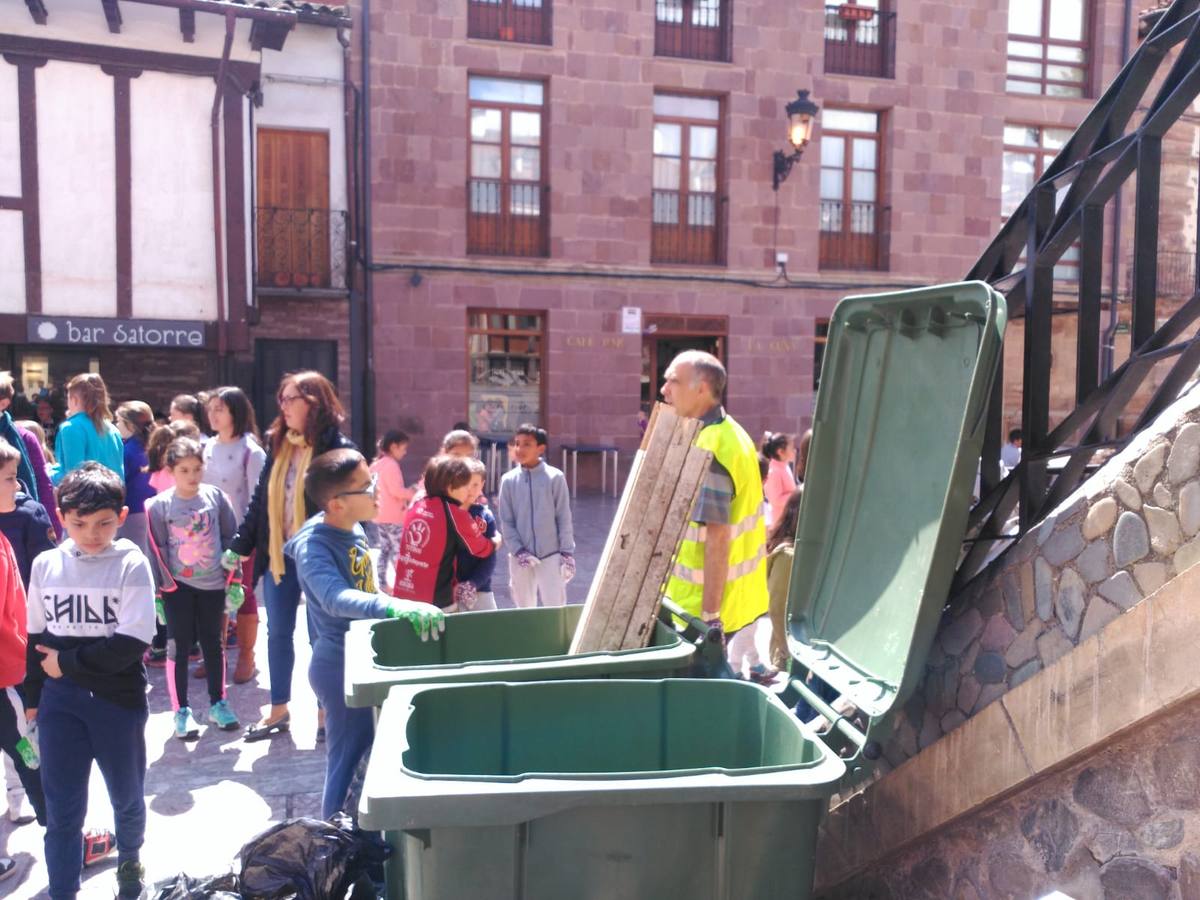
897, 435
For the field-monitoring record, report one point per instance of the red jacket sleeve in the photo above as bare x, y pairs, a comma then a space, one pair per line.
469, 532
13, 636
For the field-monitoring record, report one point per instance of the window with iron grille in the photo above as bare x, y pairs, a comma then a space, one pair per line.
860, 39
1028, 149
853, 224
1048, 47
520, 21
688, 213
693, 29
507, 192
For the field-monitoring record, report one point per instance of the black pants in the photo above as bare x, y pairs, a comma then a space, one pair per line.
11, 708
193, 614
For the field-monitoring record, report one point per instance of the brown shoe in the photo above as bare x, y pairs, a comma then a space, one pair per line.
247, 634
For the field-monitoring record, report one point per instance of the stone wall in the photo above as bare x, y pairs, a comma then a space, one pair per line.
1122, 825
1120, 537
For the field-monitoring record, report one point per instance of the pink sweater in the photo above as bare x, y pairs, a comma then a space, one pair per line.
779, 485
393, 496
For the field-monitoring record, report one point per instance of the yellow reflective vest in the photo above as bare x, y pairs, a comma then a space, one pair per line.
745, 596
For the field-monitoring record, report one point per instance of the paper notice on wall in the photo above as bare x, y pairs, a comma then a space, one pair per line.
631, 320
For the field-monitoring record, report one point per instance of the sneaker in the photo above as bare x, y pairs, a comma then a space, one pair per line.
156, 658
19, 810
222, 716
130, 885
7, 867
183, 730
97, 844
194, 654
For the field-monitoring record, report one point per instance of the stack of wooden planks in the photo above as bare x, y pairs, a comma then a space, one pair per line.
654, 511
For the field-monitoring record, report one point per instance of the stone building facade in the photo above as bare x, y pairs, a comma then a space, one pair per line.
605, 76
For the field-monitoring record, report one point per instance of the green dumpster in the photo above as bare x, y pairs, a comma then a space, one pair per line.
498, 645
650, 789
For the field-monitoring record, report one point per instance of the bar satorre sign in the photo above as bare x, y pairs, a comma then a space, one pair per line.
79, 331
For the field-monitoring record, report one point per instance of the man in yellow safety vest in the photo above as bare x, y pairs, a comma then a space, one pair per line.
720, 571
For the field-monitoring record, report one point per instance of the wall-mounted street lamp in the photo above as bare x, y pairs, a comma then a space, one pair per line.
802, 115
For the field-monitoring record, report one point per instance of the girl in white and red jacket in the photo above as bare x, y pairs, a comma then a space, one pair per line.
435, 528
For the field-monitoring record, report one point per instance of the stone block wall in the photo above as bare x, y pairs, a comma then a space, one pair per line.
1122, 825
1129, 529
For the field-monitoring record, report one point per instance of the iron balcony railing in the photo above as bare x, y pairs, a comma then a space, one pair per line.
688, 228
1176, 274
301, 248
854, 236
508, 218
519, 21
693, 29
860, 40
1077, 201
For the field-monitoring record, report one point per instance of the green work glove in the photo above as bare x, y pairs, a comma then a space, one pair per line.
426, 619
159, 612
230, 560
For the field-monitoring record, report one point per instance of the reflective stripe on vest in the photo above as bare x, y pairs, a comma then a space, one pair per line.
745, 595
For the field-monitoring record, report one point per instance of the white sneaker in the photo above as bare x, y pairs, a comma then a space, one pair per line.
19, 810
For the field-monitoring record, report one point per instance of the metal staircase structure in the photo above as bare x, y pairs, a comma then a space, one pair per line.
1066, 207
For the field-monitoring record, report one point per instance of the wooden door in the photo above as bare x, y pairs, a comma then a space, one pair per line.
275, 358
293, 208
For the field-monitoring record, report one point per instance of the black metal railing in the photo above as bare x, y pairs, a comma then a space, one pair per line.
508, 218
860, 40
301, 248
1112, 402
693, 29
519, 21
854, 236
1176, 274
687, 228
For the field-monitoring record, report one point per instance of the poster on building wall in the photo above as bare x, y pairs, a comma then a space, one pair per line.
497, 410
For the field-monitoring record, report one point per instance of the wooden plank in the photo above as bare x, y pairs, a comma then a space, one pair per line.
618, 545
687, 487
645, 536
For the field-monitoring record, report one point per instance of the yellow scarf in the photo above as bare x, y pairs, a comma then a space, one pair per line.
293, 444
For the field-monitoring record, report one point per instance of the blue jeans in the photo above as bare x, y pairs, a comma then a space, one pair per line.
75, 728
348, 732
282, 601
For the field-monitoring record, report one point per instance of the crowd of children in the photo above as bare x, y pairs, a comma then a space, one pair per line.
155, 537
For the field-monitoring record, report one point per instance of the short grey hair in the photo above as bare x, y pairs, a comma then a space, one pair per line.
706, 368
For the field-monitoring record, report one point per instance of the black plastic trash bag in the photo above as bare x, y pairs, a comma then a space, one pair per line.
307, 859
183, 887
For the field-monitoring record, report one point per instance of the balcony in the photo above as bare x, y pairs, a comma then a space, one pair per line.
301, 248
693, 29
519, 21
854, 236
860, 40
1176, 274
508, 218
698, 240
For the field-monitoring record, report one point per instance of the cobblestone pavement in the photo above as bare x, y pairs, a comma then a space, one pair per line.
207, 798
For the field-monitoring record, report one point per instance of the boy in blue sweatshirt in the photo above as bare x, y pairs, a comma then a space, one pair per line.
474, 589
23, 520
535, 522
333, 564
90, 617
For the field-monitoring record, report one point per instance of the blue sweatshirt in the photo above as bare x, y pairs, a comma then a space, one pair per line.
78, 442
336, 575
137, 476
470, 567
535, 511
29, 531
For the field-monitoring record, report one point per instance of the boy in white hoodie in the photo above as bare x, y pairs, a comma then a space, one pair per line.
91, 617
